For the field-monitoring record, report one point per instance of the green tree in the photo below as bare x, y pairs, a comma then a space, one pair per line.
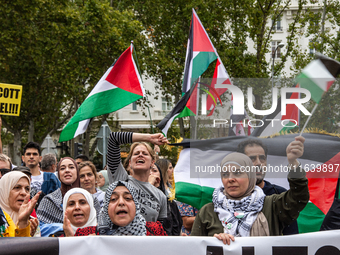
58, 50
230, 25
321, 27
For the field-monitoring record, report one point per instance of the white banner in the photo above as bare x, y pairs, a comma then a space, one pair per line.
319, 243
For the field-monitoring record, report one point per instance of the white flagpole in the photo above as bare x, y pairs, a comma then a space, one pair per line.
304, 126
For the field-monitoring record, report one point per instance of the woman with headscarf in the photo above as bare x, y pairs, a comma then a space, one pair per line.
15, 207
50, 210
121, 214
103, 182
142, 157
79, 211
240, 208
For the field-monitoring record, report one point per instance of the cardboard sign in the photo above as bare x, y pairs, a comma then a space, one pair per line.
10, 99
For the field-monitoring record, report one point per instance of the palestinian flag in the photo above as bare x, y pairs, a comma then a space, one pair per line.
200, 53
221, 77
180, 110
121, 85
197, 174
316, 78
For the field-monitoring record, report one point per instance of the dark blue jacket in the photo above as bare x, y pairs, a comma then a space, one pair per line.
50, 184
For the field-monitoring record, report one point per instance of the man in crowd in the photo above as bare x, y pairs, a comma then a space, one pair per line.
46, 182
49, 163
258, 153
81, 158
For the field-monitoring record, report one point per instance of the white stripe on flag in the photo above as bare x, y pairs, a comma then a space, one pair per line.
317, 71
168, 124
82, 126
102, 84
185, 171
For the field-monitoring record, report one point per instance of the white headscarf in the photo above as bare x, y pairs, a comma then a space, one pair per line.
7, 183
92, 221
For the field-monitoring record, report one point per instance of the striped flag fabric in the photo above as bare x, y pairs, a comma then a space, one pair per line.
200, 53
197, 171
317, 77
220, 76
120, 85
272, 127
181, 109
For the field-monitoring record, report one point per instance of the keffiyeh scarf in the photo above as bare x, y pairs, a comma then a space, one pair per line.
238, 216
107, 227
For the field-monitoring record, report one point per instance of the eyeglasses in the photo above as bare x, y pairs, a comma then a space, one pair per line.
262, 158
4, 171
29, 154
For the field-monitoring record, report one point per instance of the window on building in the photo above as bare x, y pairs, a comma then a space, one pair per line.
277, 25
166, 105
134, 106
278, 51
312, 47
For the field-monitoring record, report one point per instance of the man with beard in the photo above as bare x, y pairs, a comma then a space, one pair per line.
258, 152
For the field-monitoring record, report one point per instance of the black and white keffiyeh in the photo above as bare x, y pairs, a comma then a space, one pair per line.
229, 209
107, 227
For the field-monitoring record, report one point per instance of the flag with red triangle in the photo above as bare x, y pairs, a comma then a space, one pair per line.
200, 53
120, 85
220, 77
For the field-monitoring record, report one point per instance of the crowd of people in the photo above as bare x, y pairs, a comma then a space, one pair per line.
72, 198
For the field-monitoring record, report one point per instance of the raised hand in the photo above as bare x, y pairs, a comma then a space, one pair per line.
158, 139
67, 227
26, 210
295, 150
34, 225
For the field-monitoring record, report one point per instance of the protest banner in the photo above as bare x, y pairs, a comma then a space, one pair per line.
318, 243
10, 99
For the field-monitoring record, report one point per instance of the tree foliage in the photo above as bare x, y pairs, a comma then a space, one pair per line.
58, 50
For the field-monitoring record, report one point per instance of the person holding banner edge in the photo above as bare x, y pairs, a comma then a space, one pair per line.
240, 208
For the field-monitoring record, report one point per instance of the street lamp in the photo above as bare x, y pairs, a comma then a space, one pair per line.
281, 44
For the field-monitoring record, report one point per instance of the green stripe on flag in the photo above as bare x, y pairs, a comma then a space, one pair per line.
307, 83
186, 112
200, 63
193, 194
290, 125
310, 219
98, 104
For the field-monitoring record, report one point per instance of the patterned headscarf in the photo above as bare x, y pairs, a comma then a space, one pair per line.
106, 177
64, 187
92, 220
7, 183
106, 227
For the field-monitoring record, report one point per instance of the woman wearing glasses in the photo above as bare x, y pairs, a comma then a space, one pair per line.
240, 208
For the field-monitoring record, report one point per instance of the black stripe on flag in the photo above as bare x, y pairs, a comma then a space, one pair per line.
179, 107
317, 147
189, 56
